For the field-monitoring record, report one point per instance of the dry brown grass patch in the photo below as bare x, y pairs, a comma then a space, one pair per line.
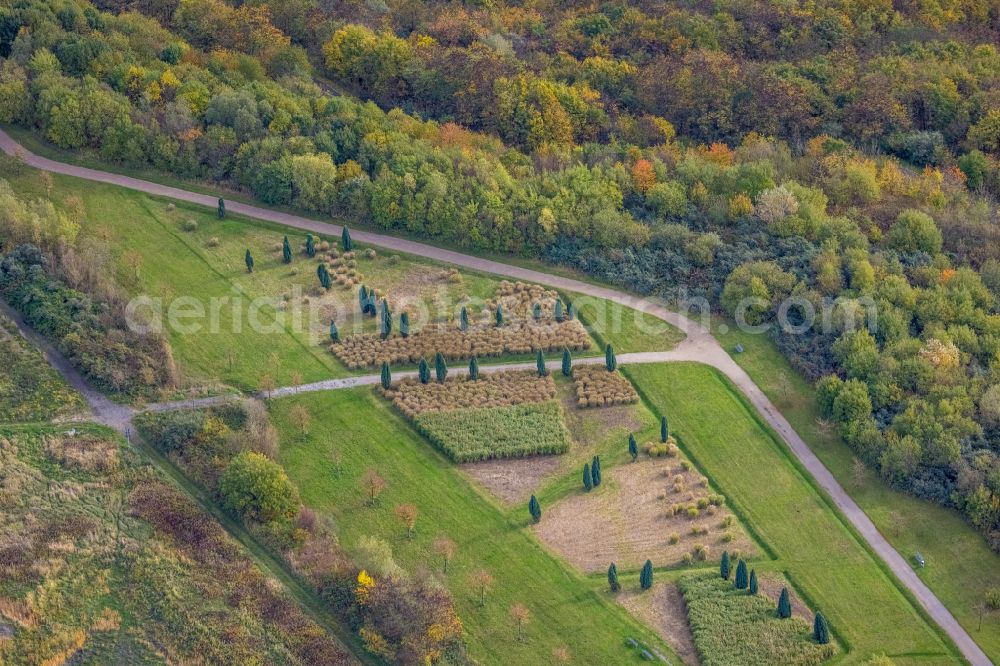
638, 515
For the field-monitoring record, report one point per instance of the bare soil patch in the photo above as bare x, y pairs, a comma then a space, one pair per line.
770, 587
513, 480
630, 518
663, 610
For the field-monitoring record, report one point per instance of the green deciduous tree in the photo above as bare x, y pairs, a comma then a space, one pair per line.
256, 488
784, 604
613, 583
646, 575
535, 509
610, 362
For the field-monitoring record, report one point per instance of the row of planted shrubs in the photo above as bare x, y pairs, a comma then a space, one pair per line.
469, 435
93, 335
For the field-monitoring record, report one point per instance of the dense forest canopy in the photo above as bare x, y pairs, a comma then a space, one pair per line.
824, 150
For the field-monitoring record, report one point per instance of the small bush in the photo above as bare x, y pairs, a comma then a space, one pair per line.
675, 538
189, 225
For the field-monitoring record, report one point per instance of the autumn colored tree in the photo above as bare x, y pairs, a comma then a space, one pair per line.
373, 484
643, 175
299, 416
519, 613
446, 549
482, 581
407, 514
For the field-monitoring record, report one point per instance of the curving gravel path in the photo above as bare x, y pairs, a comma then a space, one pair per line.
699, 346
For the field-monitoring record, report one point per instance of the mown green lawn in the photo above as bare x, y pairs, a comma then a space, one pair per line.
826, 562
628, 330
960, 565
366, 433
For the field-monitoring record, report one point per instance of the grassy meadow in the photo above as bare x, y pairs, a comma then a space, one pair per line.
960, 567
353, 431
821, 556
30, 390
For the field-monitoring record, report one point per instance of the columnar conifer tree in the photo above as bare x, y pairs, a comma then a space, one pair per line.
664, 433
535, 509
385, 321
424, 371
474, 368
404, 324
248, 258
463, 319
498, 315
540, 364
633, 447
440, 367
588, 480
821, 631
557, 311
784, 604
646, 575
324, 276
753, 581
567, 363
386, 376
609, 358
221, 210
613, 578
724, 566
741, 576
310, 246
536, 311
595, 471
345, 239
286, 251
570, 311
334, 333
362, 297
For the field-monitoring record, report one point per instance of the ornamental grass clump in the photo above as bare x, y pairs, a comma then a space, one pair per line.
596, 387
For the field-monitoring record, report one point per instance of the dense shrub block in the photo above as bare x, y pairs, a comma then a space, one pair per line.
596, 387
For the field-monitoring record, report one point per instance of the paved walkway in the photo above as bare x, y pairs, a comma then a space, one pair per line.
699, 346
